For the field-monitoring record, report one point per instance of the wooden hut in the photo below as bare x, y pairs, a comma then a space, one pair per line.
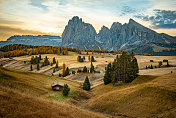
57, 86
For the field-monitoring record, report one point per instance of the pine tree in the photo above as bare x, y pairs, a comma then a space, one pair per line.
46, 62
40, 57
31, 68
107, 76
54, 60
85, 69
151, 67
66, 90
92, 59
54, 70
67, 71
38, 67
91, 68
86, 85
135, 68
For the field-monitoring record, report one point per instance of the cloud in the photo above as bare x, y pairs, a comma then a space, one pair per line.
127, 10
165, 19
38, 3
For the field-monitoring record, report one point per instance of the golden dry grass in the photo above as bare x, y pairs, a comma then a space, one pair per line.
26, 94
147, 96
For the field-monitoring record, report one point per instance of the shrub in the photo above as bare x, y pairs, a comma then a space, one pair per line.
73, 72
79, 71
66, 90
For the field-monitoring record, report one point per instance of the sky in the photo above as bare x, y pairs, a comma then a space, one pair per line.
34, 17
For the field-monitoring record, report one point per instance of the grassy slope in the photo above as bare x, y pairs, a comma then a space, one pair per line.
28, 94
147, 96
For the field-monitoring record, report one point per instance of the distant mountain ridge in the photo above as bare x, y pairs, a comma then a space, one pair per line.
129, 36
41, 40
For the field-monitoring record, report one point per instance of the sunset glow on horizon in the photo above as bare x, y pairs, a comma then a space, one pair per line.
51, 16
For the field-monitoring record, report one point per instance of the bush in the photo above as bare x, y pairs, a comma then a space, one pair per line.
73, 72
60, 75
79, 71
66, 90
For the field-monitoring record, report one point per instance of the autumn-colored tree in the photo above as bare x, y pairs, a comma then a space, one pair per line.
57, 64
89, 57
63, 69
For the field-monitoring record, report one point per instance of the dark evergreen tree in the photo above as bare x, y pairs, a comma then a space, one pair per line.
40, 57
107, 76
38, 67
135, 68
86, 85
124, 68
67, 71
31, 68
151, 67
54, 70
85, 69
84, 58
54, 60
92, 59
46, 62
66, 90
91, 68
36, 60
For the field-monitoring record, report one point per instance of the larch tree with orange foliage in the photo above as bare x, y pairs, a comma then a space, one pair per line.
57, 64
63, 69
89, 57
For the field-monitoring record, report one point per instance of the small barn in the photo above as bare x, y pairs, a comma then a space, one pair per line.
57, 86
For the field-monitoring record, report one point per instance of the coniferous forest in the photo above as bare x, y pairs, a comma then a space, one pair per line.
124, 68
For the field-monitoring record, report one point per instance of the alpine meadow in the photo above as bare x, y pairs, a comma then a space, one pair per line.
87, 59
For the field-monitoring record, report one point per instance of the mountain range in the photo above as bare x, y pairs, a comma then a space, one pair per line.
130, 36
40, 40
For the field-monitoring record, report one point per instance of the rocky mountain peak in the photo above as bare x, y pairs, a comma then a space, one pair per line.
115, 25
78, 34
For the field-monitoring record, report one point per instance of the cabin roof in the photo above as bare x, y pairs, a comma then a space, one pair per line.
57, 83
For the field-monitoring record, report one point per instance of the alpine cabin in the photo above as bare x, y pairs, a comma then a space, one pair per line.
57, 86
